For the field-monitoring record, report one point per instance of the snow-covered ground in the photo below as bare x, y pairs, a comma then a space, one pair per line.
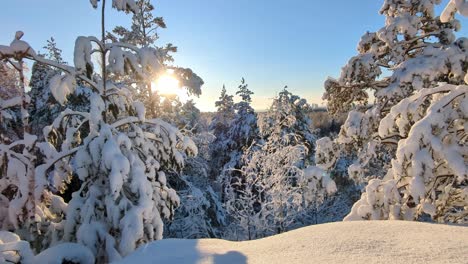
342, 242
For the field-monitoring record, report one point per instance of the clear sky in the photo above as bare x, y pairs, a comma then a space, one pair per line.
271, 43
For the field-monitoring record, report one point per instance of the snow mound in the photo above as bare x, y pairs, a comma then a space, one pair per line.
342, 242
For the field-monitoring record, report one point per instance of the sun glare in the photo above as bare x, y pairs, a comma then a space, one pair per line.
167, 84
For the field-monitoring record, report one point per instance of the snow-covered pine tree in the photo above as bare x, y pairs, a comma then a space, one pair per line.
429, 174
244, 128
219, 127
388, 64
43, 108
143, 33
413, 64
286, 130
242, 133
224, 114
170, 108
288, 122
200, 214
279, 188
20, 210
190, 118
119, 155
144, 29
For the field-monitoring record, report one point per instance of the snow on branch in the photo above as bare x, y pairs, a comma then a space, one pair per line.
429, 172
454, 6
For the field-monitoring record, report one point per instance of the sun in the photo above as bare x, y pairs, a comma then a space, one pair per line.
167, 84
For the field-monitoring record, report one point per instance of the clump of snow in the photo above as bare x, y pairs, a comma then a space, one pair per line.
343, 242
140, 110
82, 54
125, 5
318, 174
460, 6
325, 153
61, 86
18, 48
15, 250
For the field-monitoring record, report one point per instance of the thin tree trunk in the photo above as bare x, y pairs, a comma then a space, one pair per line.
103, 54
148, 83
152, 100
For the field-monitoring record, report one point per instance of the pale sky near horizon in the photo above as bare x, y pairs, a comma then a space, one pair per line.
271, 43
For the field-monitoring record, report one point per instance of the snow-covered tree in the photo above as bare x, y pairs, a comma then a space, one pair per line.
190, 118
43, 108
143, 34
170, 109
287, 121
224, 114
220, 126
243, 131
414, 49
429, 175
413, 64
119, 156
200, 214
278, 186
21, 210
244, 128
143, 31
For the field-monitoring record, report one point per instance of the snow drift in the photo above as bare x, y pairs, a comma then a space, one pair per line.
343, 242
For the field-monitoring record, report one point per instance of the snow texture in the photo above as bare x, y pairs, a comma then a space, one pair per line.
15, 250
61, 86
344, 242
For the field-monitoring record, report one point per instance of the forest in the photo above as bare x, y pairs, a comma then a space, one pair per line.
95, 162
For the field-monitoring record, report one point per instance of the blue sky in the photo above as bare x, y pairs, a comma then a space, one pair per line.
271, 43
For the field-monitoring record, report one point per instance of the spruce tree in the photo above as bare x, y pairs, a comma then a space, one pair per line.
220, 126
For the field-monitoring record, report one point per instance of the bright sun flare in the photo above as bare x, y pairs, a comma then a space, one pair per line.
167, 84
